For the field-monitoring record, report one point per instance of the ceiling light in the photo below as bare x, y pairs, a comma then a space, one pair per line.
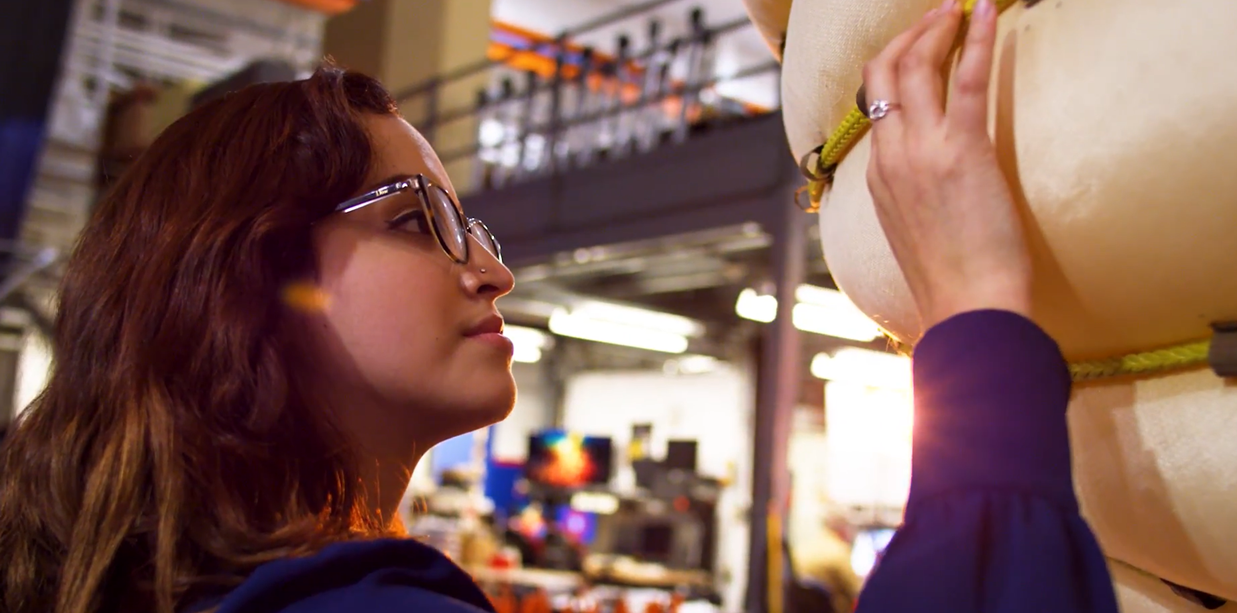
756, 307
818, 310
528, 342
690, 365
576, 325
639, 318
836, 322
863, 367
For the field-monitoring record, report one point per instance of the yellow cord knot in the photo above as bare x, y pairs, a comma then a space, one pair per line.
847, 133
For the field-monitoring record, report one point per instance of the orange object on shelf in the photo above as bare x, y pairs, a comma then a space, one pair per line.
676, 600
330, 7
537, 602
505, 600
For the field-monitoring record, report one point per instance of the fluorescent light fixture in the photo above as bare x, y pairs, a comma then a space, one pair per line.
639, 318
863, 367
578, 325
690, 365
756, 307
818, 310
836, 322
529, 342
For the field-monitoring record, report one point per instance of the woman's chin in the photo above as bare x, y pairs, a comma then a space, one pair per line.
489, 404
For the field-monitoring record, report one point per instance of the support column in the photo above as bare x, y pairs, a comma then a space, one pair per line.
777, 391
32, 38
408, 44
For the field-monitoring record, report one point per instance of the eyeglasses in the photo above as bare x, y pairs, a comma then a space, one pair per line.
442, 214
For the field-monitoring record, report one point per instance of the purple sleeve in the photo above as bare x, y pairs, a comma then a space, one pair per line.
992, 524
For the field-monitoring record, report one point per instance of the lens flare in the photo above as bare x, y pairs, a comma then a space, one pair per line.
305, 296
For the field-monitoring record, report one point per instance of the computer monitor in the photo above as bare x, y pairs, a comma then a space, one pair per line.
656, 541
681, 455
563, 460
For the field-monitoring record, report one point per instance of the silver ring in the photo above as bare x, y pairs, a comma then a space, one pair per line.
880, 108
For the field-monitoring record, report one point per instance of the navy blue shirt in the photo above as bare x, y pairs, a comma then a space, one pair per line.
991, 525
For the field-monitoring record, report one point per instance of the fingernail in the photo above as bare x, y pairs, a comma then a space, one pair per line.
931, 13
983, 8
947, 6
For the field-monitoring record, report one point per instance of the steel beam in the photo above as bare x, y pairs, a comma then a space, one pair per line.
777, 392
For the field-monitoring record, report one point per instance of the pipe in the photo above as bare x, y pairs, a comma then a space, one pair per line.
106, 55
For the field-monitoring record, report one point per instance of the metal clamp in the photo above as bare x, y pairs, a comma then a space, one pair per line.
1222, 357
805, 165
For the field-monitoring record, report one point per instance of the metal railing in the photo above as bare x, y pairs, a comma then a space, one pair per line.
587, 106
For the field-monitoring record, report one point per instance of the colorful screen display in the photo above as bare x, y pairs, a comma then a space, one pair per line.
561, 459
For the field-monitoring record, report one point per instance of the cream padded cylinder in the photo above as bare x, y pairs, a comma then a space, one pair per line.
1114, 119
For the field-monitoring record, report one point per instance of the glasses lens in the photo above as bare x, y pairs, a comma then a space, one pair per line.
483, 235
448, 223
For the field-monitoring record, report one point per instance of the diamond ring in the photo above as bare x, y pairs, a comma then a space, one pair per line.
880, 108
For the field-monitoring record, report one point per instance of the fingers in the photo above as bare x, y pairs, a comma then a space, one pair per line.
968, 100
880, 76
920, 82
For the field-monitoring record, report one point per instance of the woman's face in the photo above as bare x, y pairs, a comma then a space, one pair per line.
402, 326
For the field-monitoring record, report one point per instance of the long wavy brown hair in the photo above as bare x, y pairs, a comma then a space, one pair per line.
175, 447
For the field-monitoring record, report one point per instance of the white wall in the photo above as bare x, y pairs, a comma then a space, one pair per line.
715, 408
808, 461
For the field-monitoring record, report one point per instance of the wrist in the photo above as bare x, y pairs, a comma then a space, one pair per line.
1013, 299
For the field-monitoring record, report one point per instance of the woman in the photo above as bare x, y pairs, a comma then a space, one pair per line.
280, 306
226, 392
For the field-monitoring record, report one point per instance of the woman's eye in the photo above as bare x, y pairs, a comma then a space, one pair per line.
412, 221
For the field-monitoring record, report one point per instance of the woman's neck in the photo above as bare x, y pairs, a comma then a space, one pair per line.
386, 481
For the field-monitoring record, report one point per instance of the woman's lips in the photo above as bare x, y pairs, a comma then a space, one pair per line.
496, 340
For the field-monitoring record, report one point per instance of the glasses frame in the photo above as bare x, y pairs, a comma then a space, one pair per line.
420, 186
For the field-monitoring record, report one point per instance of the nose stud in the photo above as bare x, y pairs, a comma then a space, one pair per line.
482, 271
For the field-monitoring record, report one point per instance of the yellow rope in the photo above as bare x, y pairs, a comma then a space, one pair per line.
852, 128
1176, 357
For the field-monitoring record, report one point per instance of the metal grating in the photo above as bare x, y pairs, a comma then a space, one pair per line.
114, 44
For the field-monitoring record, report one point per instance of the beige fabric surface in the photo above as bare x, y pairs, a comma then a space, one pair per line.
770, 18
826, 46
1155, 468
1116, 123
1138, 592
